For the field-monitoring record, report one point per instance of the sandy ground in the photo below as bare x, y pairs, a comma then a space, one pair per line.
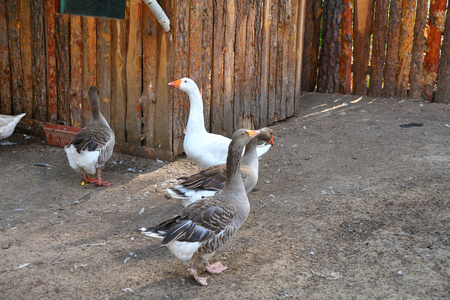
349, 205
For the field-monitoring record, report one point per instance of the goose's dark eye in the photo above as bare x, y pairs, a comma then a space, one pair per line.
185, 81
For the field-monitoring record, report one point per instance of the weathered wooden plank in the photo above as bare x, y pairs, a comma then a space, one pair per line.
280, 63
104, 65
378, 47
12, 16
405, 46
217, 79
118, 79
416, 85
443, 88
256, 79
362, 29
299, 56
206, 49
62, 33
230, 39
5, 69
134, 73
390, 67
26, 56
52, 97
76, 70
307, 46
273, 45
149, 74
318, 11
345, 69
248, 90
39, 61
239, 64
89, 25
436, 25
291, 47
265, 67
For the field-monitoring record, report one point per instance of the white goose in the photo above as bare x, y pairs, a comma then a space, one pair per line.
204, 226
93, 145
204, 148
212, 180
8, 124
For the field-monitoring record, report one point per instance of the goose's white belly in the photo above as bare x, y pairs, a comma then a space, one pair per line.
83, 162
184, 250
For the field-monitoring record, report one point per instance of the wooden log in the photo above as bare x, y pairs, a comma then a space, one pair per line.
378, 47
76, 70
239, 64
254, 119
273, 45
362, 31
5, 69
345, 69
390, 67
52, 97
207, 46
62, 34
328, 80
188, 63
230, 39
265, 66
118, 79
405, 47
12, 16
149, 74
217, 78
307, 46
26, 56
104, 66
299, 58
436, 25
281, 64
318, 11
134, 73
248, 92
443, 87
418, 49
291, 47
89, 25
39, 61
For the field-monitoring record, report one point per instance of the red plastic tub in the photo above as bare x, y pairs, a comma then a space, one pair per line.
60, 135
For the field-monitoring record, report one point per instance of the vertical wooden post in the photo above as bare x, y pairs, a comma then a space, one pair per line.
26, 56
239, 64
307, 46
258, 7
89, 25
418, 49
378, 47
63, 67
39, 61
291, 47
50, 13
76, 70
104, 66
273, 46
390, 67
362, 30
5, 69
436, 25
443, 88
317, 32
248, 92
345, 69
229, 59
299, 57
265, 67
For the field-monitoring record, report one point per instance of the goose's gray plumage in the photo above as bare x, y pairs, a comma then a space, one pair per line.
212, 180
203, 227
93, 145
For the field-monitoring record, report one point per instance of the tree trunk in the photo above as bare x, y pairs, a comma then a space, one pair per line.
345, 71
436, 25
443, 88
307, 47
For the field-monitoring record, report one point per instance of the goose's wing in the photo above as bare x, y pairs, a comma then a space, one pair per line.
212, 178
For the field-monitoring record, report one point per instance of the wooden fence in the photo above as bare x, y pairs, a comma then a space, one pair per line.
389, 48
245, 56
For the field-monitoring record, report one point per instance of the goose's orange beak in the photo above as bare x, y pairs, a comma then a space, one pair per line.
271, 141
175, 83
252, 133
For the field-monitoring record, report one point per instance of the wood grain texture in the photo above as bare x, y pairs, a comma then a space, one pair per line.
52, 97
273, 45
378, 47
345, 68
26, 52
280, 97
443, 88
62, 34
5, 69
299, 55
265, 67
89, 25
307, 46
255, 106
76, 70
291, 46
248, 104
230, 39
104, 66
239, 64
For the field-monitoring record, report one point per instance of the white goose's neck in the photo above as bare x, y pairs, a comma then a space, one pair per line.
196, 122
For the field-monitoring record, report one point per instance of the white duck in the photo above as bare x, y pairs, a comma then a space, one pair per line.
212, 180
8, 124
204, 226
93, 145
204, 148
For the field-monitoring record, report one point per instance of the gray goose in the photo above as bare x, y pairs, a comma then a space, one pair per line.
204, 226
212, 180
93, 145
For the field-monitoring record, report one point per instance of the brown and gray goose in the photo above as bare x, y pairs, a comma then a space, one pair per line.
93, 145
212, 180
203, 227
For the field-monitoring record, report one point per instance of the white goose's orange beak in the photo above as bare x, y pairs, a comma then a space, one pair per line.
271, 141
252, 133
175, 83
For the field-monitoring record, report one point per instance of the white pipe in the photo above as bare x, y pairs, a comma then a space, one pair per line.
159, 14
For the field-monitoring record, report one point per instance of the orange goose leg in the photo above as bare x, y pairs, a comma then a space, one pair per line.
99, 180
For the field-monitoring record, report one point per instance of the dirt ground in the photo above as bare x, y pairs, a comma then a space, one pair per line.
349, 205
